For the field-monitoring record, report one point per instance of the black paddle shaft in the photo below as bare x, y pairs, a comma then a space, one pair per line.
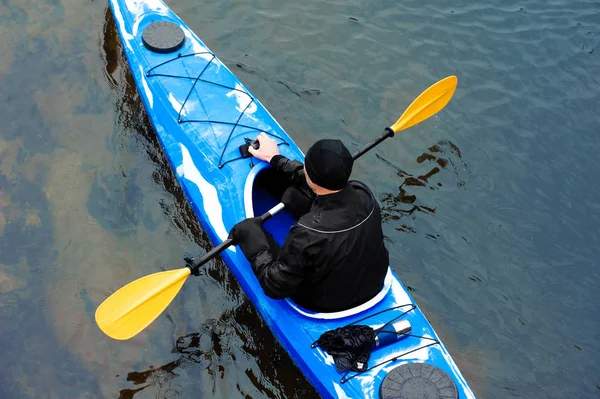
386, 133
194, 265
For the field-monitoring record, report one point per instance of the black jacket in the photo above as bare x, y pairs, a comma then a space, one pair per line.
334, 258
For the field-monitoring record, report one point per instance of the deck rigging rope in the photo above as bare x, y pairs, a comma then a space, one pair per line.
197, 79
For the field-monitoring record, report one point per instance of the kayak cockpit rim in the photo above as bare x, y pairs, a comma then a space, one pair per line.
387, 284
249, 185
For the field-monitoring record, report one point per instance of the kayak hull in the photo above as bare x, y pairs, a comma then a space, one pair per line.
201, 114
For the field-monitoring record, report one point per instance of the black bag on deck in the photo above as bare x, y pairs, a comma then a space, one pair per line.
350, 346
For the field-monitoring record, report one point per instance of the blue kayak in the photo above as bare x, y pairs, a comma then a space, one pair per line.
202, 115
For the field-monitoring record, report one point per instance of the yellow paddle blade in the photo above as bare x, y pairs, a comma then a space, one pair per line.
427, 104
132, 308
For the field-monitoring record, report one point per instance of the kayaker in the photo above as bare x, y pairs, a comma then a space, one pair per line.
334, 258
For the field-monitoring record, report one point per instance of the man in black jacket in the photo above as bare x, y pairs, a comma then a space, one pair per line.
334, 258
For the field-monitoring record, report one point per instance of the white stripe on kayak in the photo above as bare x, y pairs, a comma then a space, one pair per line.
127, 37
176, 105
146, 87
339, 391
139, 8
210, 198
243, 100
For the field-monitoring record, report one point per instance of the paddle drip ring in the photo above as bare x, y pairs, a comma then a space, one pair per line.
163, 37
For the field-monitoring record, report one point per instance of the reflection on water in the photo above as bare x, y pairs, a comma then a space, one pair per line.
396, 207
215, 347
29, 346
159, 378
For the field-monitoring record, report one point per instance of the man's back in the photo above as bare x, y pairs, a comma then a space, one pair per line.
341, 250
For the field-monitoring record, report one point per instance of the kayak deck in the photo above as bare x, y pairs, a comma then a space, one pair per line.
201, 114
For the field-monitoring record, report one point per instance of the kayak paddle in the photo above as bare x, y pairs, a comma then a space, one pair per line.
132, 308
427, 104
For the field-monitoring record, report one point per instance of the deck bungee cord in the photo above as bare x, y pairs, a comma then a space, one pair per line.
197, 79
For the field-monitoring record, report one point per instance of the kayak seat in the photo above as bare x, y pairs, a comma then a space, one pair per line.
387, 284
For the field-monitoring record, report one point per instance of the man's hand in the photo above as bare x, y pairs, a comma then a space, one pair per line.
267, 149
250, 237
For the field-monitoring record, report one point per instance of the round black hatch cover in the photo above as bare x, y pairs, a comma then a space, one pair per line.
163, 37
417, 381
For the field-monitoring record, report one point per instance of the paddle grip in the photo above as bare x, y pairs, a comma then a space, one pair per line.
194, 265
386, 133
268, 214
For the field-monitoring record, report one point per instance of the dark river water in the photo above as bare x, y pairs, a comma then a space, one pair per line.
491, 207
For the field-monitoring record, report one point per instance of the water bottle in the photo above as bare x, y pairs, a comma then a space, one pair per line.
392, 333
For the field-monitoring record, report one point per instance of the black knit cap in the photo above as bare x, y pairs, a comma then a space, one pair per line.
328, 163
